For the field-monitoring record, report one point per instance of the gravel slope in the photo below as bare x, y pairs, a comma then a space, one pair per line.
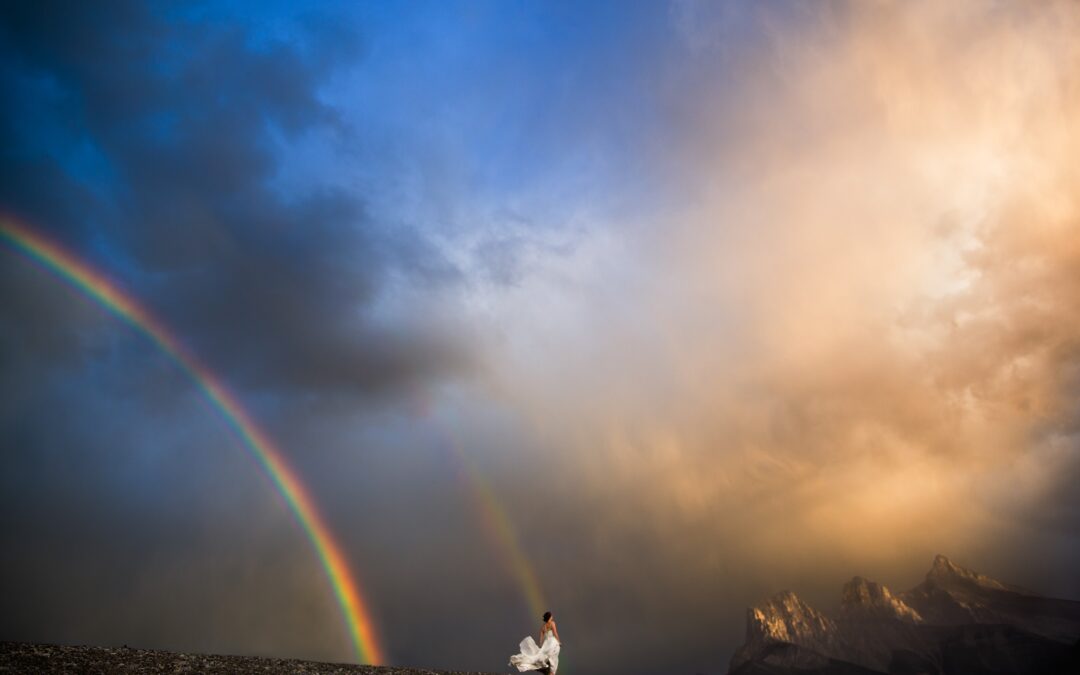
21, 657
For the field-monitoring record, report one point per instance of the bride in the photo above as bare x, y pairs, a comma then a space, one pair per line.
545, 657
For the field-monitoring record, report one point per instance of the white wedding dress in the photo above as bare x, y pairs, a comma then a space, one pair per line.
544, 657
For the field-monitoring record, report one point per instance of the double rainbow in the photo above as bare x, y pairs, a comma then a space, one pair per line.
99, 288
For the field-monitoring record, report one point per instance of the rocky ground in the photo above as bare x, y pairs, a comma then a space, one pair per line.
24, 658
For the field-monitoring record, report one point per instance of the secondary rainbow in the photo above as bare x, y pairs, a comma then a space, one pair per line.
97, 286
501, 529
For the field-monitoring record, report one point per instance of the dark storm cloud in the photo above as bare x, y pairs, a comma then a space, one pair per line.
151, 141
148, 141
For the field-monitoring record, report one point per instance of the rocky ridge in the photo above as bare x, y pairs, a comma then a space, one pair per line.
864, 598
955, 621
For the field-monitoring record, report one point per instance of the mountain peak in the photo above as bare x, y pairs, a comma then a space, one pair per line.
945, 573
942, 565
785, 618
869, 597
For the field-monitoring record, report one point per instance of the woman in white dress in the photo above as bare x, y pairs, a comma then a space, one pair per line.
544, 658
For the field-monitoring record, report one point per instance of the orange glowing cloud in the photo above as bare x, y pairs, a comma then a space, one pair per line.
859, 335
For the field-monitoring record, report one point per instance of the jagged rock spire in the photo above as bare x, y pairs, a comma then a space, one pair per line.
785, 618
874, 599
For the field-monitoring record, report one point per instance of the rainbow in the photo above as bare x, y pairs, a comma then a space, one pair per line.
98, 287
502, 531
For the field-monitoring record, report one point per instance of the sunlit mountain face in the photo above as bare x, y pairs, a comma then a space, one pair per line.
370, 332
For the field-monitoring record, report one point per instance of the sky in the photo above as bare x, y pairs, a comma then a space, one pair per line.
640, 312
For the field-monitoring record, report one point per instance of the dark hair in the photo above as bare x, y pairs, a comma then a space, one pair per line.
547, 617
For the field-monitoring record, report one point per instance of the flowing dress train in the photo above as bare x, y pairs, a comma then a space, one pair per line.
531, 657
